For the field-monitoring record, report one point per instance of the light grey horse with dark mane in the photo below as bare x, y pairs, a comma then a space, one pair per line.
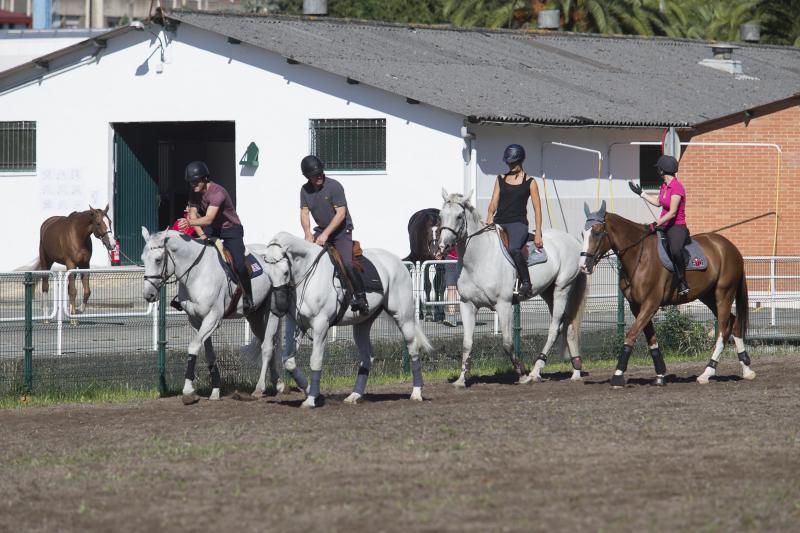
487, 280
205, 292
306, 288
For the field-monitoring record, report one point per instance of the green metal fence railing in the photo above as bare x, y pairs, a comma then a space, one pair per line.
122, 341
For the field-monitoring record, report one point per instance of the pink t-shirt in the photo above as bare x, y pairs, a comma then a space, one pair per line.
665, 195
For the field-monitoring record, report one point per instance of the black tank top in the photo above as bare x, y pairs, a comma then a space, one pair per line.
512, 205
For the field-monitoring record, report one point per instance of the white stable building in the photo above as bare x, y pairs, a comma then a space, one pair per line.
397, 112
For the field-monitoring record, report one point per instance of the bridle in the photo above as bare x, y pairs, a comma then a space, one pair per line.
619, 253
291, 284
97, 229
163, 276
460, 237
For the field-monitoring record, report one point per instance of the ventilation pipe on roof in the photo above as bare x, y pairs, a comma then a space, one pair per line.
315, 7
723, 53
750, 33
549, 19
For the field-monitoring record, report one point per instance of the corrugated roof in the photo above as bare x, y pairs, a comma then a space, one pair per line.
517, 76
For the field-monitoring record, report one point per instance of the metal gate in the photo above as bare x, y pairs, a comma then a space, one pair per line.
135, 201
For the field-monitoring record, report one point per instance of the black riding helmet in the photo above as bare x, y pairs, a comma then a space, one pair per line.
513, 153
667, 164
196, 170
311, 166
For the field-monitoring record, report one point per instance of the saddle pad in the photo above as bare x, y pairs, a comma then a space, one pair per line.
253, 266
697, 258
536, 256
369, 274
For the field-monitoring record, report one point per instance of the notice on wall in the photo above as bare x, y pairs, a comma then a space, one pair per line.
65, 190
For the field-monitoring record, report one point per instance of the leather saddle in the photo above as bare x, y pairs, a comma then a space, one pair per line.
534, 256
227, 264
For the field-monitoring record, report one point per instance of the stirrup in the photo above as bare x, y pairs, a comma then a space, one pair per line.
683, 289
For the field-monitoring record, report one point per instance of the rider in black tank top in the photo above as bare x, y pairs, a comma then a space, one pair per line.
508, 208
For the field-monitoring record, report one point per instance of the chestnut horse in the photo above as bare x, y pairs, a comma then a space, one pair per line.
647, 285
67, 240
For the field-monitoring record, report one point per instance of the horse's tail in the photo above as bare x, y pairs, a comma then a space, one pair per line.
421, 340
576, 305
742, 306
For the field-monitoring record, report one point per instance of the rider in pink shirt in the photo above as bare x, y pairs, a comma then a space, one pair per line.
672, 220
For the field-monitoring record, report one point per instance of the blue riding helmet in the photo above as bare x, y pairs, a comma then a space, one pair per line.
667, 164
513, 153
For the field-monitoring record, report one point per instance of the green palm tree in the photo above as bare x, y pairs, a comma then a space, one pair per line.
780, 21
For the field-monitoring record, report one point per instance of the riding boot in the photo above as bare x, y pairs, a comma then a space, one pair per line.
525, 290
359, 303
176, 304
680, 271
247, 291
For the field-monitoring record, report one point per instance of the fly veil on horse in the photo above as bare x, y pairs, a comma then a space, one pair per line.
487, 280
648, 285
67, 240
207, 293
308, 290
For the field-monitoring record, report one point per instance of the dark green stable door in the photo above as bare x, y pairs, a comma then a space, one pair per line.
135, 201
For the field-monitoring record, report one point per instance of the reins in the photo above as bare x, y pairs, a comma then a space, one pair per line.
164, 277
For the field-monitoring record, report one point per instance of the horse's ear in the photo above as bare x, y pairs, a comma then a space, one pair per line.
105, 211
91, 208
468, 195
586, 209
602, 208
145, 233
445, 195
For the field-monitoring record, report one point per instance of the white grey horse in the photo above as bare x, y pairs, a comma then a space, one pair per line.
306, 288
487, 280
205, 292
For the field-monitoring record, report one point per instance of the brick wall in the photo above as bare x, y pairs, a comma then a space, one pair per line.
729, 185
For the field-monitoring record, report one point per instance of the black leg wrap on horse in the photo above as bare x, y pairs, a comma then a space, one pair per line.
541, 357
577, 363
658, 361
744, 358
416, 372
361, 380
215, 380
190, 367
624, 355
315, 377
300, 379
712, 364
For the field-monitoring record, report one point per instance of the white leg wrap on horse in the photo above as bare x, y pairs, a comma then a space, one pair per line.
188, 387
214, 394
711, 368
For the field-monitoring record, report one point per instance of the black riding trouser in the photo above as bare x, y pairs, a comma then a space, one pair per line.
233, 241
517, 237
343, 242
677, 238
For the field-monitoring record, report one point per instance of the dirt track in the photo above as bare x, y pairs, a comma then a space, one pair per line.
549, 456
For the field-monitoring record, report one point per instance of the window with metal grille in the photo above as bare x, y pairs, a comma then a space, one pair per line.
349, 144
17, 146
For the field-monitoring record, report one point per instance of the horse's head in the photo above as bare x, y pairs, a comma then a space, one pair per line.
155, 258
100, 229
279, 272
595, 238
453, 224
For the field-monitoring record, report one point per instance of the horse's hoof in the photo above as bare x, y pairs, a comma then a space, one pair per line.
258, 393
416, 394
525, 379
280, 387
659, 381
189, 399
353, 398
617, 381
308, 403
460, 384
576, 378
537, 378
749, 375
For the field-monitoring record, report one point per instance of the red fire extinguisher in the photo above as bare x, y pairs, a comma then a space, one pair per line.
114, 253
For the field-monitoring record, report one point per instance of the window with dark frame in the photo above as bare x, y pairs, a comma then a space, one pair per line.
18, 146
349, 144
648, 175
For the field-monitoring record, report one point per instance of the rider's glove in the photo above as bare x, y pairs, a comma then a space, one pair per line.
637, 189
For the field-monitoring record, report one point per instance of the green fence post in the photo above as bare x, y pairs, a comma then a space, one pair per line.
517, 331
28, 348
162, 341
406, 360
620, 304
